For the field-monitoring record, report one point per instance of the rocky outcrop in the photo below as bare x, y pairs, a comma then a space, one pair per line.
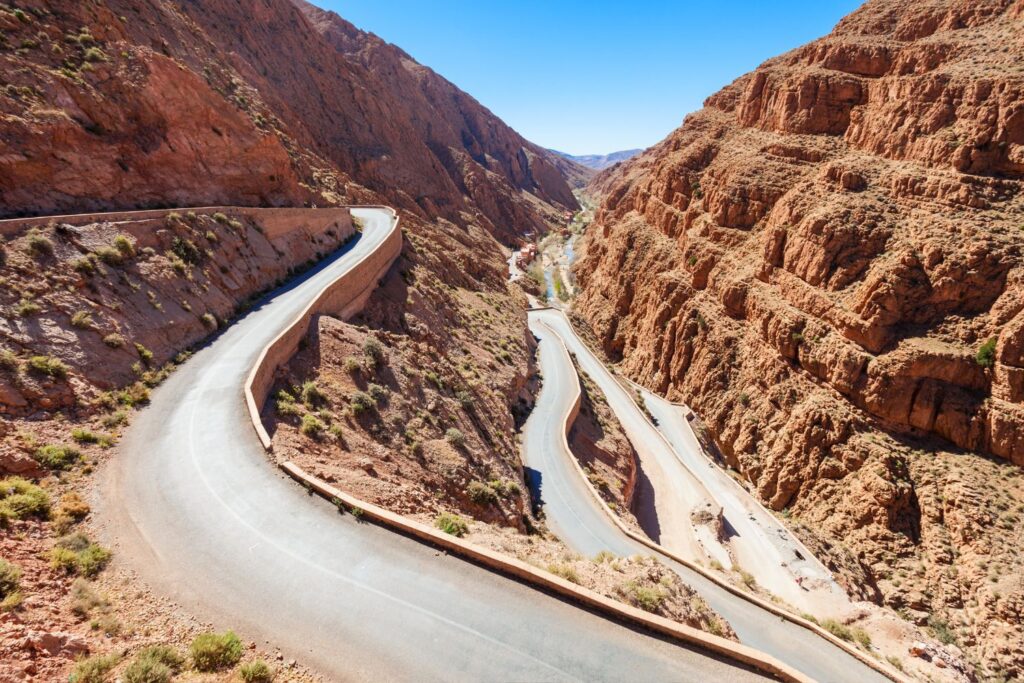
825, 263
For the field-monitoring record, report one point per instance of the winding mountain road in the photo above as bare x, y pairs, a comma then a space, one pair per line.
574, 514
193, 505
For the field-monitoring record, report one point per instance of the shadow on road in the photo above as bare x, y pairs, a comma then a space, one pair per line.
643, 506
533, 482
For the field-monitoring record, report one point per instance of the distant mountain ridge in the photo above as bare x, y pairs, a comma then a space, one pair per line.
599, 162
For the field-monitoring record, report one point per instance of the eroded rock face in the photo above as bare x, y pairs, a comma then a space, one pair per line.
122, 104
825, 262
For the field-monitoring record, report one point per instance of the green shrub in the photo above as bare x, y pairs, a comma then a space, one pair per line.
20, 498
124, 246
647, 598
9, 362
465, 399
145, 670
10, 583
564, 571
452, 524
837, 629
221, 218
986, 357
144, 354
374, 351
110, 256
76, 554
57, 457
39, 246
89, 437
256, 672
747, 578
82, 320
154, 664
115, 419
311, 426
353, 366
377, 392
215, 651
85, 265
27, 308
862, 637
455, 437
943, 633
481, 494
210, 321
311, 395
186, 250
361, 402
114, 340
94, 54
93, 669
433, 378
48, 366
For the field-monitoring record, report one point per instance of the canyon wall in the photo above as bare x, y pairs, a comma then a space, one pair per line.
825, 263
120, 104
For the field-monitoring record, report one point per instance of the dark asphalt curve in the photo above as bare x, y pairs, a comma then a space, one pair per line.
573, 513
192, 504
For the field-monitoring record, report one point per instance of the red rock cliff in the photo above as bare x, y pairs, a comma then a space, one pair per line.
825, 262
122, 104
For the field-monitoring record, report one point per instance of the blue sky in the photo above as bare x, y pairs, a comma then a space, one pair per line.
599, 76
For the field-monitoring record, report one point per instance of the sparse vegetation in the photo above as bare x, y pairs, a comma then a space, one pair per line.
86, 436
311, 426
57, 457
986, 356
27, 308
124, 246
76, 554
455, 437
943, 633
481, 494
94, 669
110, 255
209, 321
71, 509
39, 246
838, 629
378, 393
154, 664
145, 355
10, 583
20, 498
114, 340
311, 395
82, 320
565, 571
452, 524
256, 672
647, 598
374, 351
215, 651
48, 366
361, 402
186, 250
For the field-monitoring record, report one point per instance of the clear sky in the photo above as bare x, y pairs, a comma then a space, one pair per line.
599, 76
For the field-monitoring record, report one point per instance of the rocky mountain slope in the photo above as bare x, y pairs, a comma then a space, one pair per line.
121, 104
825, 263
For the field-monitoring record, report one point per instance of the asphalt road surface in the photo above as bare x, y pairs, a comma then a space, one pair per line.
193, 505
573, 513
